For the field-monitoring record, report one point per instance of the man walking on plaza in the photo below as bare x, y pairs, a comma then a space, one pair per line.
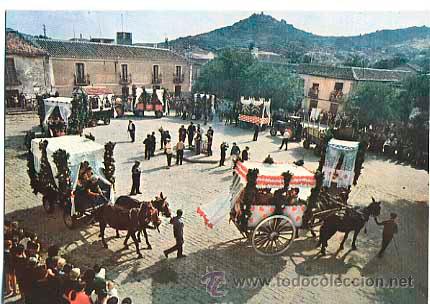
235, 154
198, 142
180, 146
390, 228
168, 152
161, 137
178, 233
135, 177
131, 130
148, 146
153, 143
191, 131
256, 130
182, 133
285, 141
223, 149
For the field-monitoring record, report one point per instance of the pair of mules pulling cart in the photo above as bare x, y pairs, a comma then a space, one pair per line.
269, 203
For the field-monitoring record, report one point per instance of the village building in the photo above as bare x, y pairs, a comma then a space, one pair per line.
327, 87
120, 67
27, 71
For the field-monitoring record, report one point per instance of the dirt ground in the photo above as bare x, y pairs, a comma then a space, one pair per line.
153, 279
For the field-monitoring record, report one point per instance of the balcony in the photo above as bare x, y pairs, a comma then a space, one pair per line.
157, 79
313, 93
12, 80
125, 79
336, 96
82, 81
178, 78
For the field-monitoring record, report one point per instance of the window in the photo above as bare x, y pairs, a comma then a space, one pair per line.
156, 71
178, 71
177, 91
124, 72
338, 86
80, 72
11, 71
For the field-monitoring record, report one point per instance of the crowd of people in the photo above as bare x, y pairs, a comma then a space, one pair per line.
40, 277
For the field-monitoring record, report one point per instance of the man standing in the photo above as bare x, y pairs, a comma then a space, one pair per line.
167, 136
245, 154
153, 143
285, 140
235, 153
180, 146
168, 152
161, 137
132, 130
191, 131
182, 133
256, 130
390, 228
135, 176
148, 146
210, 140
178, 233
198, 142
223, 149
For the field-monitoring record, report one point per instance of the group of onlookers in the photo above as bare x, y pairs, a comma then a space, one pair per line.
48, 278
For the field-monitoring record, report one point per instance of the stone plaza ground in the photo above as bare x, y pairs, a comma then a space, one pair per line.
154, 279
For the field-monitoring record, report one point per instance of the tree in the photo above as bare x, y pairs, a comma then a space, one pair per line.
356, 61
374, 102
391, 63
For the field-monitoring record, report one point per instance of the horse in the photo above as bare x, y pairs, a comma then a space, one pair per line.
131, 220
159, 203
353, 220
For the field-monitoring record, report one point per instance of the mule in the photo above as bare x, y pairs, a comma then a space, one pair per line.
160, 203
131, 220
353, 220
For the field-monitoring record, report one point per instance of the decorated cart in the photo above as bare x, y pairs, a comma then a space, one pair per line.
268, 203
100, 103
54, 165
56, 114
255, 111
151, 100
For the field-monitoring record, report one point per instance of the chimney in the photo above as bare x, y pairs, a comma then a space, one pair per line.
123, 38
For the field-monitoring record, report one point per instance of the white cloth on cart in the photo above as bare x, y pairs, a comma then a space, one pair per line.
64, 104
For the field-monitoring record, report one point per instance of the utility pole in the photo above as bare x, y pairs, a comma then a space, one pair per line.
44, 31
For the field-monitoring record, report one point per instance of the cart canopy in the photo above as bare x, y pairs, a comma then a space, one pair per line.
339, 162
64, 105
79, 149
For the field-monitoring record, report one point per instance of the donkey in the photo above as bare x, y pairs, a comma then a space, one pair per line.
159, 203
131, 220
353, 220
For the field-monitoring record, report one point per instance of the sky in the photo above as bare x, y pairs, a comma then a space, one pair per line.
155, 26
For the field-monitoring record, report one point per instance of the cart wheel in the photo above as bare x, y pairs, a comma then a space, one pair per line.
158, 114
69, 220
273, 131
47, 205
306, 144
273, 235
106, 120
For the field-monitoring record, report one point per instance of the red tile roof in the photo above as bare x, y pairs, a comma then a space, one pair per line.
17, 45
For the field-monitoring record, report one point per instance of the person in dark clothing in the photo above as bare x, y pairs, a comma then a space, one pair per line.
223, 149
390, 228
180, 146
256, 131
153, 143
198, 142
161, 137
285, 141
132, 130
135, 176
210, 141
191, 130
166, 138
245, 154
182, 133
235, 154
178, 233
148, 144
